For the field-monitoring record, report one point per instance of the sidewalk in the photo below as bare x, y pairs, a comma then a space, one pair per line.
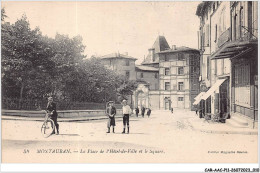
200, 124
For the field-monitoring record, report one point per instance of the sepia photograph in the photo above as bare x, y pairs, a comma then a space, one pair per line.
129, 82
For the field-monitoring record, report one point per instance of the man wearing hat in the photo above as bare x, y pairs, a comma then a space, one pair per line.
51, 108
111, 112
127, 111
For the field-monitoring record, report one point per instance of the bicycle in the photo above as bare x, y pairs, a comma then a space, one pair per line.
48, 126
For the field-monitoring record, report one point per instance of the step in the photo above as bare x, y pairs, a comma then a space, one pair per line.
233, 123
240, 120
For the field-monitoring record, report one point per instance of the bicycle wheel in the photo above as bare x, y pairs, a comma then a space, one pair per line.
48, 128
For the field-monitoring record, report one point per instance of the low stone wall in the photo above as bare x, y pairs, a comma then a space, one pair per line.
61, 114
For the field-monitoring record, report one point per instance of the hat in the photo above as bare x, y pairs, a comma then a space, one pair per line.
124, 101
110, 102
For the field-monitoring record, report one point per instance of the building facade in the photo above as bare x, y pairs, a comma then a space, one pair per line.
121, 64
167, 78
179, 77
232, 60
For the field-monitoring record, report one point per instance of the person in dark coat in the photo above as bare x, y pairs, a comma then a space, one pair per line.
172, 110
111, 112
51, 110
148, 112
143, 111
136, 111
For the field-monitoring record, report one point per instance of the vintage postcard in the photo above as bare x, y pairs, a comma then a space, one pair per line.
129, 82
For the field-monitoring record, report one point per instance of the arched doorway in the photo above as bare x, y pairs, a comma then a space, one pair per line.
142, 96
167, 103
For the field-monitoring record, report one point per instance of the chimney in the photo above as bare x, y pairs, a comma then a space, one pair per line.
174, 47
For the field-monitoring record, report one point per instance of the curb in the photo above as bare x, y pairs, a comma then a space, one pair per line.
221, 131
59, 120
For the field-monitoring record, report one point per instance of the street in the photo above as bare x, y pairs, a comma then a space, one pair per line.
162, 138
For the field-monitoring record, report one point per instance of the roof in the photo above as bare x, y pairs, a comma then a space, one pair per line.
201, 8
179, 49
146, 68
117, 55
159, 45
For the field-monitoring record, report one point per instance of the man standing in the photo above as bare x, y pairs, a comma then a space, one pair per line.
51, 108
136, 111
149, 112
143, 111
111, 112
127, 111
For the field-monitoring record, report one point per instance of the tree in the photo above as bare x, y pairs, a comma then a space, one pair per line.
3, 14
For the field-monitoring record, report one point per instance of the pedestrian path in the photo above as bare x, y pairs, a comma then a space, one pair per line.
200, 124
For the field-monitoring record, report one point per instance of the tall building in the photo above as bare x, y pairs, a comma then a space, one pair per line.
179, 77
229, 61
166, 78
121, 64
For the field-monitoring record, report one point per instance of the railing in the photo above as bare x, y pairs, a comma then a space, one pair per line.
33, 104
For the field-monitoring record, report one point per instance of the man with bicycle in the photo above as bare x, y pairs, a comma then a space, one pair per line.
51, 111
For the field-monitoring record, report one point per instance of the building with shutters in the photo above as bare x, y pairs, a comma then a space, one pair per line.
168, 78
121, 64
229, 62
178, 77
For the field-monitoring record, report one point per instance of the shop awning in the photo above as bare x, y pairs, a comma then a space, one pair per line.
198, 98
235, 49
213, 88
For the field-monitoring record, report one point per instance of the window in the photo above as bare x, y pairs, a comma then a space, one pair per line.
207, 35
110, 62
235, 27
216, 33
180, 70
155, 75
250, 20
167, 86
142, 75
127, 74
208, 67
180, 98
166, 58
180, 86
127, 63
167, 71
180, 56
241, 21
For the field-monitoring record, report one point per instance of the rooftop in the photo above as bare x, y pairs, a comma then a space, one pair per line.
179, 49
159, 45
117, 55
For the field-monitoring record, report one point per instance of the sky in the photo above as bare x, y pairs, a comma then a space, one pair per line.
109, 27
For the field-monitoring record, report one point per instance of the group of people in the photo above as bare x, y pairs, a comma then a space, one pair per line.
127, 111
148, 111
110, 112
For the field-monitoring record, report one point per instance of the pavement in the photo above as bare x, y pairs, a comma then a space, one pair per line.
162, 138
193, 120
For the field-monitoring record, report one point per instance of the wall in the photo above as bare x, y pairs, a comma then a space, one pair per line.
61, 114
149, 77
119, 66
190, 77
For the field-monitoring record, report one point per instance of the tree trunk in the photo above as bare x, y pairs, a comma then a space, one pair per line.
21, 96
